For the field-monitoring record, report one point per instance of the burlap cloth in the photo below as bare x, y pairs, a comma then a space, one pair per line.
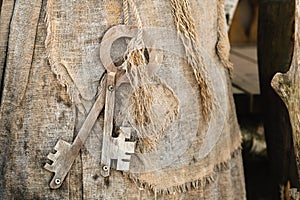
190, 151
189, 155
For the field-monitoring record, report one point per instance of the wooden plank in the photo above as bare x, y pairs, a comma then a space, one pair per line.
248, 52
236, 90
245, 74
245, 80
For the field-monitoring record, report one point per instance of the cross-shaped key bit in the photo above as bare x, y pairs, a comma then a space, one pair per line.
121, 150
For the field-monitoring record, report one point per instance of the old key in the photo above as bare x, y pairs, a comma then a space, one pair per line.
113, 148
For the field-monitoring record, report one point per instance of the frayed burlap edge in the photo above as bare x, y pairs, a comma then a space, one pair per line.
223, 45
188, 186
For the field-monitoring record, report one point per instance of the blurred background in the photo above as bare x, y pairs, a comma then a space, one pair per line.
261, 37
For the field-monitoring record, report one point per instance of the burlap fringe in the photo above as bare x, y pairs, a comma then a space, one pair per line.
187, 32
57, 66
142, 117
142, 99
223, 45
150, 133
148, 125
191, 185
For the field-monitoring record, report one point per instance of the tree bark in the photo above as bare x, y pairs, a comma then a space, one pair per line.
52, 73
275, 50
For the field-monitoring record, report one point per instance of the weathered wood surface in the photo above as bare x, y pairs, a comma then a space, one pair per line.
5, 19
36, 111
275, 48
287, 86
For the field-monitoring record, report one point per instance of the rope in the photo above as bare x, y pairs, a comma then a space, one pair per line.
130, 4
139, 22
185, 25
142, 98
126, 12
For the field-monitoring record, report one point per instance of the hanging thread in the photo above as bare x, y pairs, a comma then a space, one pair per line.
147, 90
185, 26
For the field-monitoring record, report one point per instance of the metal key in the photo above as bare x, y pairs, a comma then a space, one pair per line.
117, 149
65, 152
112, 148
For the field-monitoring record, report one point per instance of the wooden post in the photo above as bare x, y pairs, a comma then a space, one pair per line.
275, 49
287, 86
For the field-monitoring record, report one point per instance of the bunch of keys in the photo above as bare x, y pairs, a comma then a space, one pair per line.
113, 148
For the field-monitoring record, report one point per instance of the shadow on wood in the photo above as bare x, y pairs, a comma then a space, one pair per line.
275, 49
